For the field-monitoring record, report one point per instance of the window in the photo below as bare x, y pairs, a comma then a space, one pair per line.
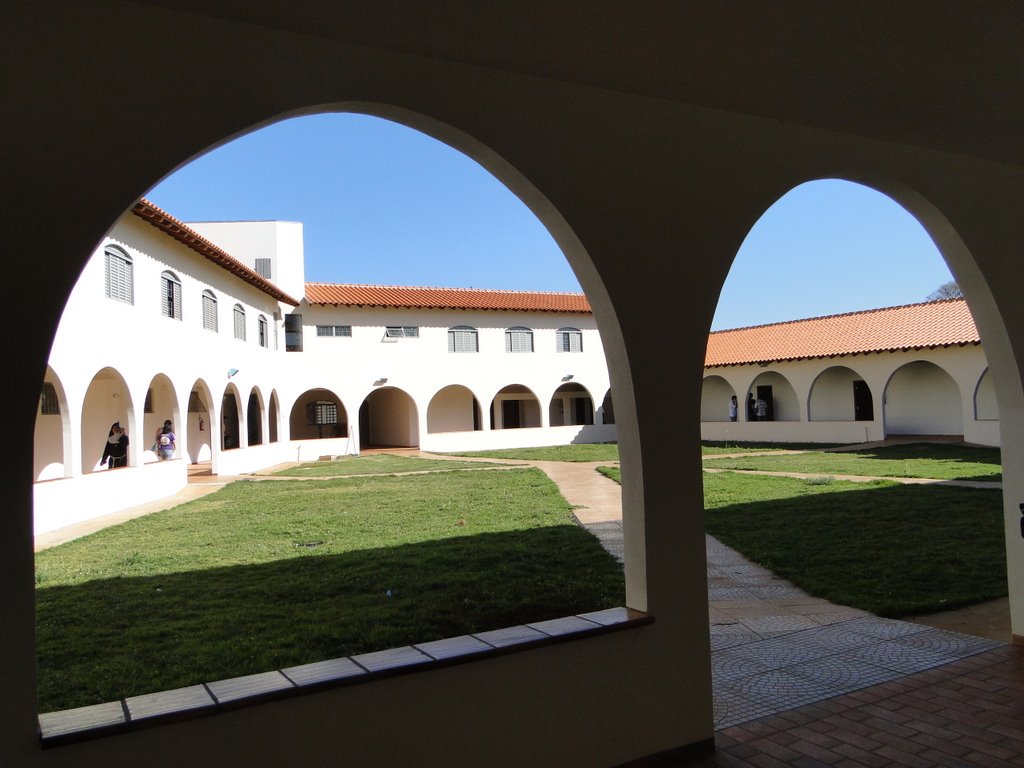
209, 311
261, 324
48, 403
321, 412
239, 322
569, 340
293, 333
170, 295
519, 340
462, 338
119, 275
401, 331
334, 330
263, 268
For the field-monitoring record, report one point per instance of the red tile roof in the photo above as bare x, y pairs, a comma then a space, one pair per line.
188, 237
914, 326
444, 298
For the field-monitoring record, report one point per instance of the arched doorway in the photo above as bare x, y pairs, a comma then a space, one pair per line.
106, 401
387, 419
161, 405
840, 394
231, 420
51, 442
515, 407
778, 395
922, 399
201, 421
254, 417
318, 414
715, 395
453, 409
571, 405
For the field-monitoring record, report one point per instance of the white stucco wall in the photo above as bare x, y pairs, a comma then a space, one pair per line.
451, 410
831, 397
714, 400
922, 399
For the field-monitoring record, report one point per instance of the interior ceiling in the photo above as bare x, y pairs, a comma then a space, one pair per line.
947, 76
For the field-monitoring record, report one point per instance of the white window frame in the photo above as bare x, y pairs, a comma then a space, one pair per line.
119, 275
463, 338
518, 339
210, 310
401, 332
170, 295
568, 340
334, 330
239, 321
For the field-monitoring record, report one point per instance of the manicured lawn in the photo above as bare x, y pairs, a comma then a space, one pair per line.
712, 447
376, 464
891, 549
936, 460
263, 575
613, 472
581, 452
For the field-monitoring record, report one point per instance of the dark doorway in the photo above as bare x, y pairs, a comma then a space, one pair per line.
364, 425
764, 392
510, 414
230, 432
583, 410
863, 405
476, 415
254, 419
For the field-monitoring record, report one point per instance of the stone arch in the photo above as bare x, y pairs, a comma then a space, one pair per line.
515, 407
838, 394
453, 409
161, 405
388, 419
318, 414
107, 400
571, 405
783, 405
921, 398
231, 424
254, 417
51, 444
715, 395
202, 430
985, 406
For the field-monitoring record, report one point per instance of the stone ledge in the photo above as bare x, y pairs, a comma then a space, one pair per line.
152, 709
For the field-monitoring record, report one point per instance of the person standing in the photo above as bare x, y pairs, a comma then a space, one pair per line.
115, 450
733, 408
761, 409
166, 441
751, 407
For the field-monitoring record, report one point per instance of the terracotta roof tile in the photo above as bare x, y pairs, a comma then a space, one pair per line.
444, 298
913, 326
188, 237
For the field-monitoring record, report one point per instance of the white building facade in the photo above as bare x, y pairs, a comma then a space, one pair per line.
166, 323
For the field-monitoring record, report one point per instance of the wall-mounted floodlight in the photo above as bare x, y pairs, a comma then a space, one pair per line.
232, 372
567, 377
381, 380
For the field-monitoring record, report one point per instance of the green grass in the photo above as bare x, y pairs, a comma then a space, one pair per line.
580, 452
891, 549
936, 460
713, 447
376, 464
613, 472
264, 575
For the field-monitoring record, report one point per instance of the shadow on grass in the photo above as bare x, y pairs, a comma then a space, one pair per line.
893, 550
111, 638
947, 453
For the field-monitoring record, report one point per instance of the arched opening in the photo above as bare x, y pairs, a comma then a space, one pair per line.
254, 417
515, 407
318, 414
571, 405
840, 394
387, 419
985, 406
231, 420
453, 409
778, 395
200, 423
51, 441
161, 405
107, 402
922, 399
273, 417
716, 394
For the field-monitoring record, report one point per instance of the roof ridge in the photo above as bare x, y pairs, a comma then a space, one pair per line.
840, 314
444, 288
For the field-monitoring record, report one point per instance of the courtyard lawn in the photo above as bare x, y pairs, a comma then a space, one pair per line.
942, 461
580, 452
713, 448
891, 549
266, 574
376, 464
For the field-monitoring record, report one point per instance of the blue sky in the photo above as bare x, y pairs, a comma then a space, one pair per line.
381, 203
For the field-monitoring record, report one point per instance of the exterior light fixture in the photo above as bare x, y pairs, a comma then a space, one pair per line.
567, 377
381, 380
232, 372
